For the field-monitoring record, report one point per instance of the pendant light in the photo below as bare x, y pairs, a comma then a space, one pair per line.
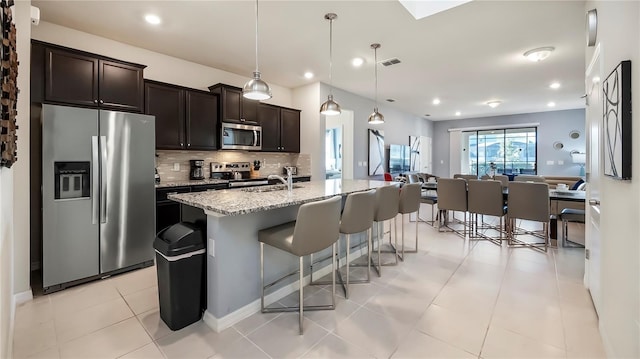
330, 107
256, 89
376, 117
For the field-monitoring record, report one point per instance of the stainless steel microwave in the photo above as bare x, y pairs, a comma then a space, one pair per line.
241, 137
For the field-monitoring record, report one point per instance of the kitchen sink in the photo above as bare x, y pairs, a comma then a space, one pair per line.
271, 188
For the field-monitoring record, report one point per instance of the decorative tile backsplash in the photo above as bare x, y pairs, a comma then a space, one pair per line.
272, 163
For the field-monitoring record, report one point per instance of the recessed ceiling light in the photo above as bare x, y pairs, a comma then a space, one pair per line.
555, 85
494, 104
436, 101
152, 19
357, 61
458, 113
551, 104
539, 54
308, 75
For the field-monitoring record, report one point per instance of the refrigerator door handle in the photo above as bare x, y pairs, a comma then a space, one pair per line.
103, 179
95, 180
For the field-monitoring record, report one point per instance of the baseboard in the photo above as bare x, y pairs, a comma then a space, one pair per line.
22, 297
220, 324
606, 343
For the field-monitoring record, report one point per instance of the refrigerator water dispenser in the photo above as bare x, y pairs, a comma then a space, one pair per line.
72, 179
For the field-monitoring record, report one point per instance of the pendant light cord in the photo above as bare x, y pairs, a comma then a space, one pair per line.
331, 57
375, 64
257, 36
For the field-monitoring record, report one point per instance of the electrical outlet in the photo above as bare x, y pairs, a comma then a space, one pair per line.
176, 166
550, 163
211, 247
560, 162
441, 162
364, 163
360, 164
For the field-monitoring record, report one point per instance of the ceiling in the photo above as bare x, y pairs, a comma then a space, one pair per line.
465, 56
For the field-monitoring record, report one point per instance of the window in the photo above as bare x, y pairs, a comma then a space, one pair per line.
512, 150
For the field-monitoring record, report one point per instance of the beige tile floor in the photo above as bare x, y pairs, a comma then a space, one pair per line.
456, 298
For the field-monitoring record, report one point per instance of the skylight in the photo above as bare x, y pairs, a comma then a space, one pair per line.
420, 9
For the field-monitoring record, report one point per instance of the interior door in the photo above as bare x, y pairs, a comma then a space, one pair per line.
593, 170
425, 155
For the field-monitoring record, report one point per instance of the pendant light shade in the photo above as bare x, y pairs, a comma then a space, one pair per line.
256, 89
376, 117
330, 107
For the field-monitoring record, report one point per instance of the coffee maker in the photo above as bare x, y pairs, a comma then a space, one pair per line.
196, 172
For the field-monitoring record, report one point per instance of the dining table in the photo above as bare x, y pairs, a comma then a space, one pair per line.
558, 200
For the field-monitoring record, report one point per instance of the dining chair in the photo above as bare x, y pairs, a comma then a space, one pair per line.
528, 201
485, 198
465, 177
570, 215
388, 177
528, 178
504, 180
452, 196
315, 228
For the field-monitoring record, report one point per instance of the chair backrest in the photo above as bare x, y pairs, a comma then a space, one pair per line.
528, 178
485, 197
413, 178
465, 177
388, 177
357, 215
317, 226
452, 194
529, 201
387, 201
410, 198
504, 180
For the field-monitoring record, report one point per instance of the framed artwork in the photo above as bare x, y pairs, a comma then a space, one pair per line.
414, 155
617, 122
376, 152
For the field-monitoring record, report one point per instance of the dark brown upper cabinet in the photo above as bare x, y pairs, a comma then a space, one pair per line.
84, 79
185, 118
234, 107
280, 128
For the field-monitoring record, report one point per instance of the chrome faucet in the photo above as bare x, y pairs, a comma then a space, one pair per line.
288, 181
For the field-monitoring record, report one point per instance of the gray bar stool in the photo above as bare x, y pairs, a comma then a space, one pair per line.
386, 208
528, 201
316, 228
485, 198
409, 203
357, 216
452, 196
570, 215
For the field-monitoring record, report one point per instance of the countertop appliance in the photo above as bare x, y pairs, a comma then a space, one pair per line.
196, 172
98, 194
238, 174
237, 136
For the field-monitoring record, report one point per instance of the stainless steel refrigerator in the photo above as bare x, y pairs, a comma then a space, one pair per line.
98, 194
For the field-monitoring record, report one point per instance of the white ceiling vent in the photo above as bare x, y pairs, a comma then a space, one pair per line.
391, 61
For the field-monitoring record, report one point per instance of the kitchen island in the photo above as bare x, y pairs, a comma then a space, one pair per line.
233, 218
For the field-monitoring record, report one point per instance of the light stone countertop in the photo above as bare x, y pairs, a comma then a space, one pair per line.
231, 202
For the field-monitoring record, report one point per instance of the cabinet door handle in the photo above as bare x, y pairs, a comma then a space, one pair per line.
101, 102
181, 144
188, 145
594, 202
172, 193
95, 101
283, 147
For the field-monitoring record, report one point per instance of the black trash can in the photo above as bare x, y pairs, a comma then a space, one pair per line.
180, 261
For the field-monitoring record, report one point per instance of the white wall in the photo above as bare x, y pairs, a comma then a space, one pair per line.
344, 121
159, 67
312, 126
618, 34
14, 194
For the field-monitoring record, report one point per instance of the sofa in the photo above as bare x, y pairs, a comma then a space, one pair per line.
553, 181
